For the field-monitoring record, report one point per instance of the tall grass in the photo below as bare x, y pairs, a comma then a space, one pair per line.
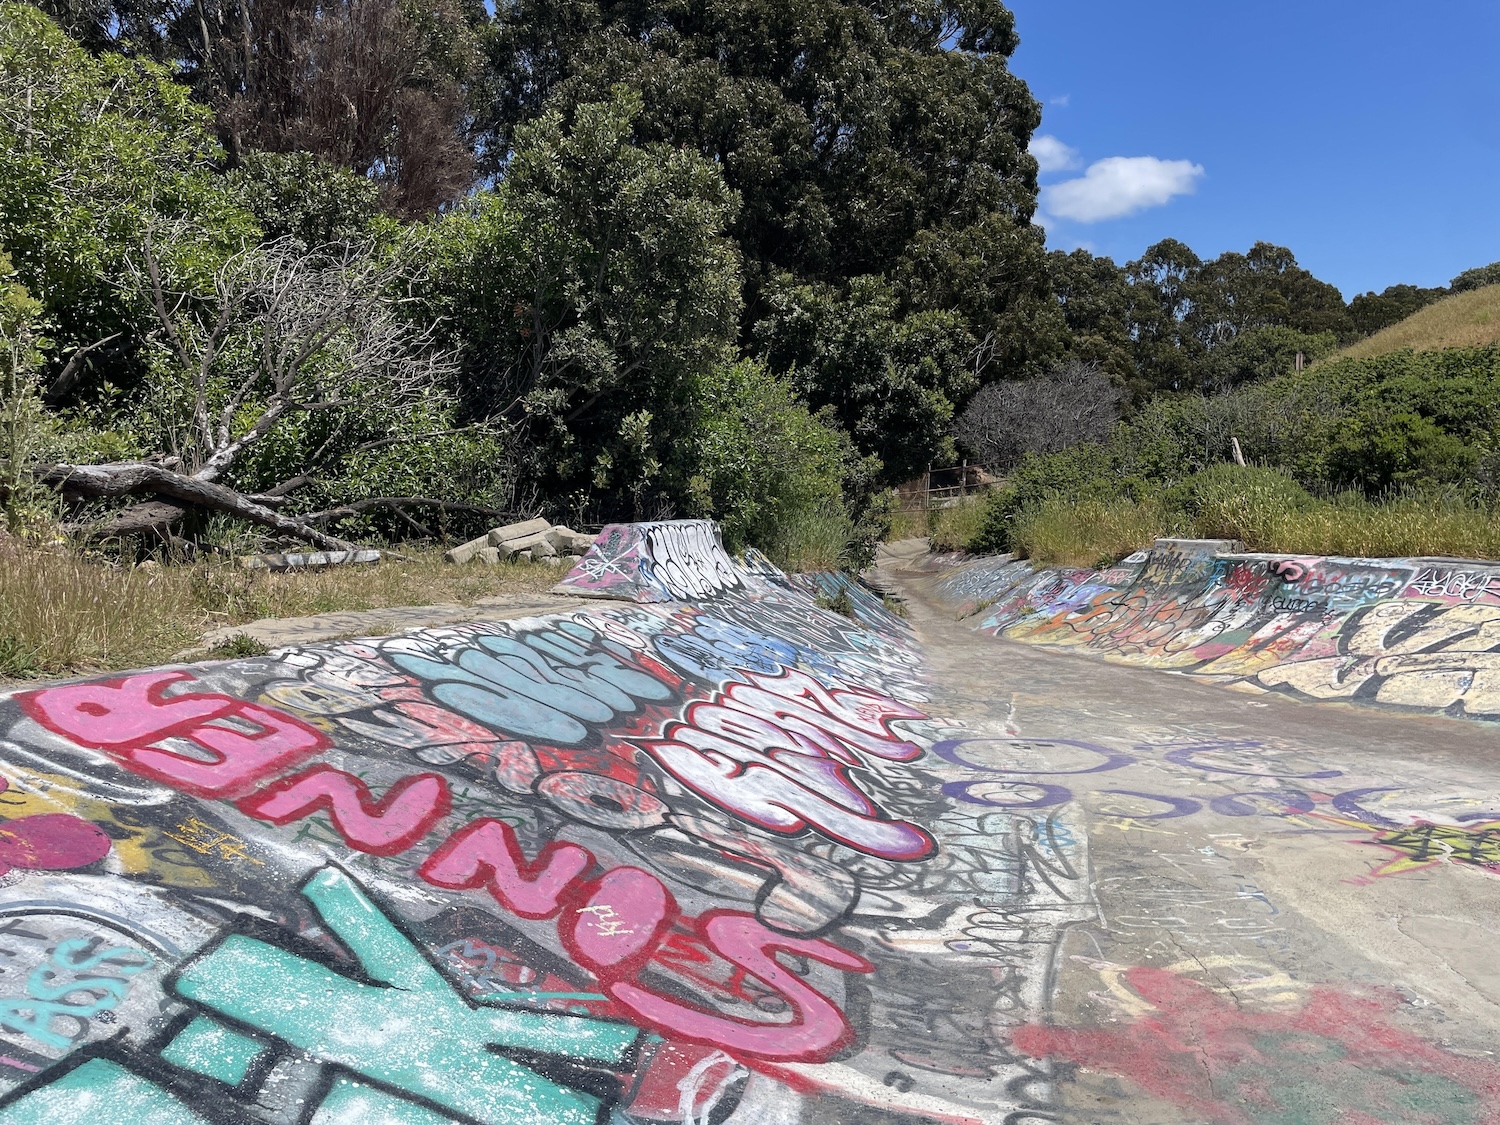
61, 613
812, 539
1092, 533
954, 527
1351, 525
1464, 320
1089, 532
908, 524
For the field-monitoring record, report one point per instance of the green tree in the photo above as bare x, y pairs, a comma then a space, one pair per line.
892, 383
593, 286
1162, 297
93, 153
765, 465
1370, 312
864, 140
1263, 288
1260, 353
299, 194
1095, 298
1476, 278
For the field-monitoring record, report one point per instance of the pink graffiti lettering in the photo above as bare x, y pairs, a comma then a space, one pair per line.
614, 924
778, 752
485, 855
392, 824
818, 1029
116, 714
124, 717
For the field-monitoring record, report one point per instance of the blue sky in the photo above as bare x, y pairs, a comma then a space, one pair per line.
1363, 135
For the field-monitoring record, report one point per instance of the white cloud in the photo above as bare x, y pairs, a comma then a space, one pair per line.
1061, 100
1120, 185
1052, 155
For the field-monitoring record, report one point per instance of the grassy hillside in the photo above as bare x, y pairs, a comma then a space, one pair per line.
1465, 320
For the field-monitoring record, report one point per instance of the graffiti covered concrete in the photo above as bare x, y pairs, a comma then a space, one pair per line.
643, 862
700, 851
1420, 635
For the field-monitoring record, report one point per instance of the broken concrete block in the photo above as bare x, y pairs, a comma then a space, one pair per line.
543, 549
489, 556
522, 556
465, 552
513, 531
567, 541
525, 543
308, 560
551, 560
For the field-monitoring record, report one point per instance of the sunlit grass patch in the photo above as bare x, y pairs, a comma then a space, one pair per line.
63, 613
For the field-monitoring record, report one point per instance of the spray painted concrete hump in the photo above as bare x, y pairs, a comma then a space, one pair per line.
650, 861
1419, 635
670, 560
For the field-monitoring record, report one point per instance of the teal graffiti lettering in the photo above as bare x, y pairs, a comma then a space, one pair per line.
98, 1092
208, 1047
55, 991
410, 1030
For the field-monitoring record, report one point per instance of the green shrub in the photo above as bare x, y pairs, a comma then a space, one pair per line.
1087, 471
768, 469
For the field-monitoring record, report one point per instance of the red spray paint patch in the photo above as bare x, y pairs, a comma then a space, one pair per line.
49, 841
1339, 1061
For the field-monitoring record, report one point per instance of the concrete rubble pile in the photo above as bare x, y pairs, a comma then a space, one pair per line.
529, 541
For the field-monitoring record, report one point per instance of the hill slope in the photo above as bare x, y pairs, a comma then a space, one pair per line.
1465, 320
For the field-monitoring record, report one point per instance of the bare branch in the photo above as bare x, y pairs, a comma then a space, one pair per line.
136, 478
67, 378
373, 503
1006, 420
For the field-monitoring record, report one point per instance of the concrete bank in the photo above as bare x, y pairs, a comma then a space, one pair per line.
699, 850
1416, 635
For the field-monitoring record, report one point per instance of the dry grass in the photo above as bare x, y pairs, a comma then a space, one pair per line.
1095, 533
1088, 533
1353, 526
63, 614
1465, 320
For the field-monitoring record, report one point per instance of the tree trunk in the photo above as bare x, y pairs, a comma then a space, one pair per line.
151, 516
136, 478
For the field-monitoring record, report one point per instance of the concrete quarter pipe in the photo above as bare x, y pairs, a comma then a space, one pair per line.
703, 851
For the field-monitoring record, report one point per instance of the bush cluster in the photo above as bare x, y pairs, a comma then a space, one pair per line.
1349, 433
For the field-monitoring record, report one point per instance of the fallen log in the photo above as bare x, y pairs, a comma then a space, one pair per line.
134, 478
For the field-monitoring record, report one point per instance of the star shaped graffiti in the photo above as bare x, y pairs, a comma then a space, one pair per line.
1338, 1061
1422, 844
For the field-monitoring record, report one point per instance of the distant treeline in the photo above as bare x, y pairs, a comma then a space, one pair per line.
390, 267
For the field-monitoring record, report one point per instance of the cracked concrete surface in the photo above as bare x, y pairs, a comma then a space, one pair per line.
1277, 855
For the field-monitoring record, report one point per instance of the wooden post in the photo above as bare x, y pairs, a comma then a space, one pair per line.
1239, 456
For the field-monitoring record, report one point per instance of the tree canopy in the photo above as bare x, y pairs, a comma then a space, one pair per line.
602, 258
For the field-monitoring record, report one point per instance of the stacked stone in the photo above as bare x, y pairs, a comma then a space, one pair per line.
529, 541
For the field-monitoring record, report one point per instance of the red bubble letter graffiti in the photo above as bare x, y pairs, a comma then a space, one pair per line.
126, 717
392, 824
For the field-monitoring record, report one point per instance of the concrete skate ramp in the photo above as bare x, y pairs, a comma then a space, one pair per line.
657, 562
622, 864
1420, 635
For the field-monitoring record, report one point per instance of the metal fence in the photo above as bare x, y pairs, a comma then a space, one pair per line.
938, 488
